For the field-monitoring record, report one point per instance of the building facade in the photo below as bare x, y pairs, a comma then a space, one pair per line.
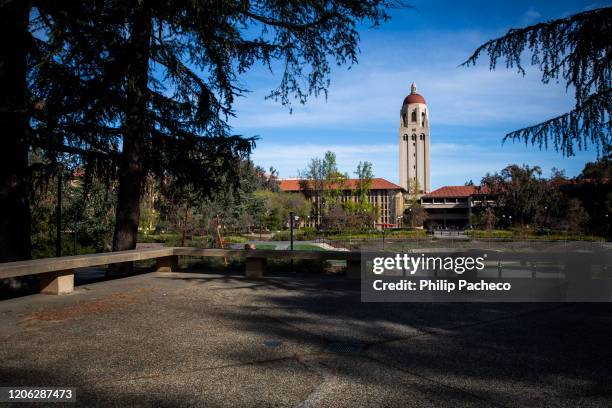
453, 206
415, 176
387, 196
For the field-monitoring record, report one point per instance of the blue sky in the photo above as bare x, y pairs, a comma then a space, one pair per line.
471, 109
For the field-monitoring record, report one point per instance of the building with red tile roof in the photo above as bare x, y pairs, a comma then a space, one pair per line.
351, 184
452, 206
456, 191
387, 196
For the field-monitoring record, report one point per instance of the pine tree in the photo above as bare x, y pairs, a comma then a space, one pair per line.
15, 242
578, 50
148, 86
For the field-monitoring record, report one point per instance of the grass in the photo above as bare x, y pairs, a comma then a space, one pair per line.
307, 247
198, 241
344, 236
265, 246
517, 234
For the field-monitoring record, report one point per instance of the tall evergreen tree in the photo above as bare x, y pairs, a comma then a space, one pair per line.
147, 86
15, 243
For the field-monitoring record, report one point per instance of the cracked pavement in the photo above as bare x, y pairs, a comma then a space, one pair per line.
296, 340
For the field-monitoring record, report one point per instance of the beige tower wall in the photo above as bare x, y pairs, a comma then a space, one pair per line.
414, 148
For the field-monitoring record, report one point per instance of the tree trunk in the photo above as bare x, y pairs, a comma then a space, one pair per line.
15, 242
132, 172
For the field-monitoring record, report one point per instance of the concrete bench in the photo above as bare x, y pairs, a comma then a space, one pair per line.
57, 274
256, 259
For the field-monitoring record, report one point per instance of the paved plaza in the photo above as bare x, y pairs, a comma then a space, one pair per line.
295, 340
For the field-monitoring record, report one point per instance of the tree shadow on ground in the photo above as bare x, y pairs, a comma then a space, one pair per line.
515, 353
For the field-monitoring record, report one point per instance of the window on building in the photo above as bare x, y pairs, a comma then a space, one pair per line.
422, 136
414, 115
413, 137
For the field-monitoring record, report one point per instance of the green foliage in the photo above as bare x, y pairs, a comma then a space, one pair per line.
414, 189
307, 247
490, 233
415, 215
375, 234
276, 206
325, 184
357, 215
265, 246
87, 214
149, 213
364, 174
138, 88
484, 219
600, 169
529, 234
520, 197
520, 192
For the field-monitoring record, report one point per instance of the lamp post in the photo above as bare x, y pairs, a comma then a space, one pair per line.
291, 229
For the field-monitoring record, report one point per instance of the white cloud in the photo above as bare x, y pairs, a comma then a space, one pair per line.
371, 93
470, 111
288, 159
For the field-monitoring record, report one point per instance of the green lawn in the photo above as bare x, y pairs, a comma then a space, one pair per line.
265, 246
306, 247
530, 235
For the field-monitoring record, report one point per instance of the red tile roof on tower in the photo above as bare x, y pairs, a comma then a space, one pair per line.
351, 184
456, 191
414, 98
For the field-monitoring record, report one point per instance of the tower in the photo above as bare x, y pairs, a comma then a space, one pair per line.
414, 144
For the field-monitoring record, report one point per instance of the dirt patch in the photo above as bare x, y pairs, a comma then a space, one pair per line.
85, 308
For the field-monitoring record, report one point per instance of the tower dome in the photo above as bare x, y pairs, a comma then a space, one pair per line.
414, 97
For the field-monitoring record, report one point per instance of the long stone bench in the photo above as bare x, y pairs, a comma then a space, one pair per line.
57, 274
256, 259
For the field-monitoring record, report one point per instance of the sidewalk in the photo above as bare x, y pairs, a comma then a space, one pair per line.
191, 339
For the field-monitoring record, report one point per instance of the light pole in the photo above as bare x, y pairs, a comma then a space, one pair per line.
291, 229
410, 216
